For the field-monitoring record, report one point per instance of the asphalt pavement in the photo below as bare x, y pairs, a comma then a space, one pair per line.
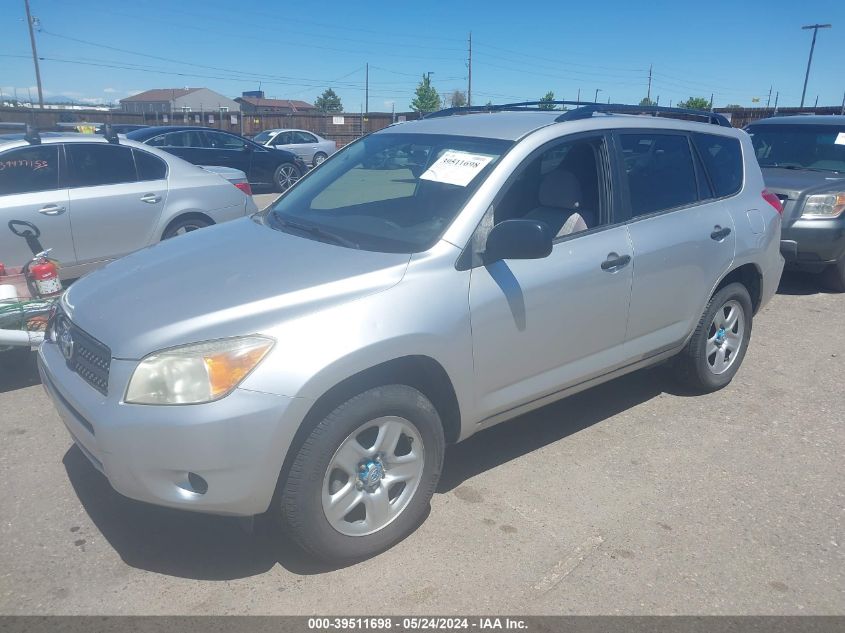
635, 497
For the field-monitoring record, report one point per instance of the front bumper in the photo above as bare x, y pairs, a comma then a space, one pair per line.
819, 243
236, 444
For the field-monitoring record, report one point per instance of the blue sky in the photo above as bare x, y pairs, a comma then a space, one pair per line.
736, 49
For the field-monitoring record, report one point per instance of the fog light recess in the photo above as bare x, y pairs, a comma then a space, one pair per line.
194, 484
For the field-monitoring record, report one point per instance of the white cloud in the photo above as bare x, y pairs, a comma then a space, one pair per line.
110, 90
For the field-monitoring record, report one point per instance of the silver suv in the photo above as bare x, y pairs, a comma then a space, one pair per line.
428, 281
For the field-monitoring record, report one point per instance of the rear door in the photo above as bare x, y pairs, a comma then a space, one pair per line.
33, 206
683, 238
189, 145
114, 204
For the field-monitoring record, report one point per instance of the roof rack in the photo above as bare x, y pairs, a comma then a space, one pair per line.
584, 110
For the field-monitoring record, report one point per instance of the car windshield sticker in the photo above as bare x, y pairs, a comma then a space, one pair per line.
840, 139
456, 168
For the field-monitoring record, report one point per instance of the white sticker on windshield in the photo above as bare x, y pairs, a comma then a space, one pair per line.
840, 139
456, 168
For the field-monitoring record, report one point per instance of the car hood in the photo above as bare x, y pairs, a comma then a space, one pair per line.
231, 279
796, 182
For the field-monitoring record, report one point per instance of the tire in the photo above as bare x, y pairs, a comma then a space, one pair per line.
833, 277
180, 226
286, 174
702, 365
319, 478
319, 157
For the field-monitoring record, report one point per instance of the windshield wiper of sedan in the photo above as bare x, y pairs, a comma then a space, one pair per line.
315, 231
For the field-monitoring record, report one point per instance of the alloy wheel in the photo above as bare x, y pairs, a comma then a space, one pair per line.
725, 337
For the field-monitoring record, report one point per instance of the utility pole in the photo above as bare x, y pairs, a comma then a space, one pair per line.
843, 103
658, 100
816, 105
469, 75
366, 91
777, 94
711, 102
34, 55
769, 98
648, 94
578, 98
815, 28
596, 98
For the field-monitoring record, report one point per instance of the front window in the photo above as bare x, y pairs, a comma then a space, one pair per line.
800, 146
388, 192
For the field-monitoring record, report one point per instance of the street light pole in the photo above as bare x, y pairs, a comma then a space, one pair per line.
596, 98
815, 28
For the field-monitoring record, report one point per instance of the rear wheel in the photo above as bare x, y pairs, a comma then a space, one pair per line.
319, 157
286, 174
181, 226
717, 347
833, 276
363, 478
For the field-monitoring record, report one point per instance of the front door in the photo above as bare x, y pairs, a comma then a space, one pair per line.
33, 207
540, 326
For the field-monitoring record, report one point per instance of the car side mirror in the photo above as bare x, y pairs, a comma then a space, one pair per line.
518, 239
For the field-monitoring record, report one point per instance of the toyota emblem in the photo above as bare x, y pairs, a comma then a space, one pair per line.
64, 339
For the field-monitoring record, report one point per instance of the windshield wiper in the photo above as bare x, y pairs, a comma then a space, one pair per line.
316, 231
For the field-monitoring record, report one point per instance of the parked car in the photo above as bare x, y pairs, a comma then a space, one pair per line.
803, 161
318, 364
310, 147
265, 167
92, 201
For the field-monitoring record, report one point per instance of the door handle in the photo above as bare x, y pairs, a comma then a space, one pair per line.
719, 233
151, 198
52, 209
615, 261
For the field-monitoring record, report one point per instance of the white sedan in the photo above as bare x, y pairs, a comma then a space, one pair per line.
311, 148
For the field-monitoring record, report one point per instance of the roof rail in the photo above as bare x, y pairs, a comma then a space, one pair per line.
584, 110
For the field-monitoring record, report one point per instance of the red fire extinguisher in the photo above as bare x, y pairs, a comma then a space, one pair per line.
44, 274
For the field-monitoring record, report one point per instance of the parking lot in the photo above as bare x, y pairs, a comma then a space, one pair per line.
633, 497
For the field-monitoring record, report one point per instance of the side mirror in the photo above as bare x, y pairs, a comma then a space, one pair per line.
518, 239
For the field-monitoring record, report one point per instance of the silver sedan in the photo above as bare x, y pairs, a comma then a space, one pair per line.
92, 201
310, 147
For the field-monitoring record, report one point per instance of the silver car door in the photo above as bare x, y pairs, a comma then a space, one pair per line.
33, 206
683, 242
539, 326
113, 212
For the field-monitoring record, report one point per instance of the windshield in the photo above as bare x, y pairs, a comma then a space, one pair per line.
798, 146
388, 192
261, 138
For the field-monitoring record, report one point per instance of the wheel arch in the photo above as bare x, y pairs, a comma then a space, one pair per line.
184, 215
750, 276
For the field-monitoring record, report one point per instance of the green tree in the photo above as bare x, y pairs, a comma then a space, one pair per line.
695, 103
546, 101
647, 102
458, 98
426, 99
329, 102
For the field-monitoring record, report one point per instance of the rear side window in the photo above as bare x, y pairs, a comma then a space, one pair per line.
93, 164
722, 157
149, 167
29, 169
659, 170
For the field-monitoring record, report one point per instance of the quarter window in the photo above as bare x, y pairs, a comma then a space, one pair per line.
659, 171
722, 159
149, 167
29, 169
93, 164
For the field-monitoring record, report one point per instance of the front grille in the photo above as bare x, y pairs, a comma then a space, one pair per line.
89, 358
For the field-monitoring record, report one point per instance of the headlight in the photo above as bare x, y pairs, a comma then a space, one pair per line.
824, 205
196, 373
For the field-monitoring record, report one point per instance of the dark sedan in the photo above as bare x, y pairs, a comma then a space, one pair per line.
206, 146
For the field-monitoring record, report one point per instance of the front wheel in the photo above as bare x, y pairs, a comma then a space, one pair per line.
286, 174
714, 353
363, 478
